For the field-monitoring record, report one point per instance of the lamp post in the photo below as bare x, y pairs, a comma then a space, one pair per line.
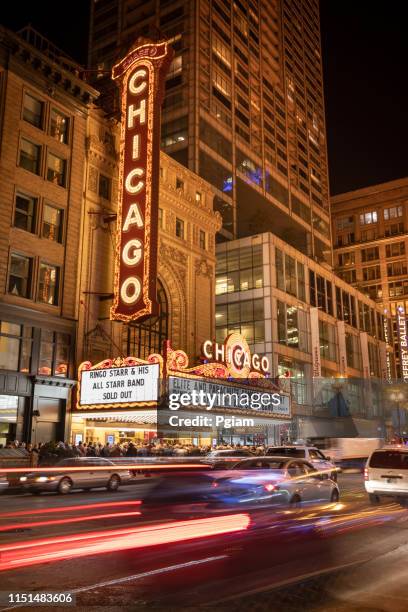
398, 397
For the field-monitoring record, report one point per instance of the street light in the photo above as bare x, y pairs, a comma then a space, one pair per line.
398, 396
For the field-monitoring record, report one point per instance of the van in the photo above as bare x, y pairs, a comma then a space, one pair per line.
386, 474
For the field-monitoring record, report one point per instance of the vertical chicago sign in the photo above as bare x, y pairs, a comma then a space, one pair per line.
141, 76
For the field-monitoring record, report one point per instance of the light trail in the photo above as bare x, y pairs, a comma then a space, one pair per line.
75, 519
55, 549
70, 508
108, 468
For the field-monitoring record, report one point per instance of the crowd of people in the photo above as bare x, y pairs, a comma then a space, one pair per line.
55, 451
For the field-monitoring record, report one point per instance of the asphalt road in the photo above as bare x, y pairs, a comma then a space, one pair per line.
349, 556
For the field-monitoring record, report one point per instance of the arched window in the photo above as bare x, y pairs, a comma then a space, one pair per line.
148, 337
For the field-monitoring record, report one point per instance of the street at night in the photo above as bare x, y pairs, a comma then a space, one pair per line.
345, 556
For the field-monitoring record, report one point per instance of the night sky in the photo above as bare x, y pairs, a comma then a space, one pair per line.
365, 53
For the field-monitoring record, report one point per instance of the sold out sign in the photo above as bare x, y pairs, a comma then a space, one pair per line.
141, 76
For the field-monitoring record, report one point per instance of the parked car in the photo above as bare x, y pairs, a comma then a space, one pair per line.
386, 474
64, 481
274, 480
221, 459
310, 453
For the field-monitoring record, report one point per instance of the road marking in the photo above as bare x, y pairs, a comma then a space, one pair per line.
161, 570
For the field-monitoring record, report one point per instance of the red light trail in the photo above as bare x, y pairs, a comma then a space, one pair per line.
75, 519
70, 508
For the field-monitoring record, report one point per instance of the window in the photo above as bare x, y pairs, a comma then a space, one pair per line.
295, 370
179, 184
343, 223
48, 284
246, 318
25, 212
198, 197
290, 275
52, 224
398, 288
371, 273
394, 229
160, 218
345, 239
397, 268
321, 292
56, 170
328, 345
370, 254
202, 240
346, 259
292, 327
393, 212
395, 249
54, 354
15, 346
221, 83
20, 275
239, 270
353, 351
374, 292
368, 235
180, 228
59, 126
33, 110
104, 187
368, 217
30, 156
349, 276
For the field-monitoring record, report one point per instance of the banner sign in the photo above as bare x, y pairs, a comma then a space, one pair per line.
403, 342
141, 75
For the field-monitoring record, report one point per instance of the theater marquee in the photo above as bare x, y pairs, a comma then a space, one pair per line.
141, 75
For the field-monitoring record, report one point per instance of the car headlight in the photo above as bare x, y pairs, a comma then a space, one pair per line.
23, 478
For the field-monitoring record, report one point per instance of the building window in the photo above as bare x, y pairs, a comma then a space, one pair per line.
147, 337
393, 212
374, 292
371, 273
33, 110
48, 284
344, 223
15, 346
54, 354
353, 351
328, 344
25, 212
56, 170
370, 254
292, 327
393, 229
198, 197
104, 187
202, 240
246, 318
394, 249
345, 239
321, 292
160, 218
295, 371
290, 275
397, 268
59, 126
179, 184
180, 228
52, 224
349, 276
20, 275
239, 270
30, 156
346, 259
398, 288
368, 217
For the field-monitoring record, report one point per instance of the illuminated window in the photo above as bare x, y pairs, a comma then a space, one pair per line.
33, 110
48, 284
198, 197
52, 224
328, 341
25, 212
30, 156
55, 349
56, 170
346, 259
292, 326
15, 346
393, 212
180, 228
59, 126
20, 273
368, 217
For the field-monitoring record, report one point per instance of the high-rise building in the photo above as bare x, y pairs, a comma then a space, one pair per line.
243, 105
370, 228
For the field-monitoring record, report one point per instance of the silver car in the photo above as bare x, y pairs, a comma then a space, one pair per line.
310, 453
274, 480
64, 481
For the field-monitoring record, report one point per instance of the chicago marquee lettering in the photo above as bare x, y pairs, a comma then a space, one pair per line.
141, 75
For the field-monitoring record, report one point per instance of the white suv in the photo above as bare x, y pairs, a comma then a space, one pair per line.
386, 473
310, 453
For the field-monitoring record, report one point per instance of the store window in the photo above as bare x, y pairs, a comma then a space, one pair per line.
56, 170
239, 270
328, 341
104, 187
29, 156
25, 211
48, 284
33, 110
59, 126
55, 350
52, 225
19, 282
15, 346
180, 228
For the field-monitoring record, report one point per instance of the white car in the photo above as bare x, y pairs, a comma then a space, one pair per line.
309, 453
386, 473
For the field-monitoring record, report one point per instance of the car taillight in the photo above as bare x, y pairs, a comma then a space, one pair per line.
270, 487
214, 485
365, 473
